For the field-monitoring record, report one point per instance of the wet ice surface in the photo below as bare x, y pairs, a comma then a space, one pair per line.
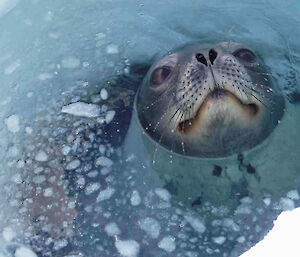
65, 190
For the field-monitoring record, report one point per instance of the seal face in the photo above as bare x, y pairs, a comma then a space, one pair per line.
209, 100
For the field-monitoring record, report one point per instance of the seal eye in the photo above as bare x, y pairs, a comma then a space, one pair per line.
245, 55
160, 74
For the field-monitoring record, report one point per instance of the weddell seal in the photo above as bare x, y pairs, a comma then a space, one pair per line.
206, 122
205, 110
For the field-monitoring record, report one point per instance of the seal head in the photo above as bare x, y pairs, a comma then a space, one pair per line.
209, 101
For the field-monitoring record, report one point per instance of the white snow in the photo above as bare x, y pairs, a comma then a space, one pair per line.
24, 252
12, 67
41, 156
8, 234
82, 109
167, 244
12, 123
163, 194
103, 161
70, 62
103, 94
196, 223
127, 248
105, 194
112, 49
73, 165
219, 240
135, 198
112, 229
150, 226
91, 188
282, 240
109, 116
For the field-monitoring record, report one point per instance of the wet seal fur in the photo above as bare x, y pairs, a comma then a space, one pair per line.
206, 113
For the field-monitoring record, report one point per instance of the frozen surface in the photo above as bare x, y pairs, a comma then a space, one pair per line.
66, 189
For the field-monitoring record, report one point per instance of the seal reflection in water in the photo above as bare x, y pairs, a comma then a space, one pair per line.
202, 103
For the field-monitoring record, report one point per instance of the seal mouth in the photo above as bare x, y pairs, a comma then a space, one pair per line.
221, 97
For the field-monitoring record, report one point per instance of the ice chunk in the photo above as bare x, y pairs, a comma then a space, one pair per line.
196, 223
70, 62
105, 194
163, 194
293, 194
66, 149
73, 165
8, 234
286, 204
12, 67
219, 240
167, 244
109, 116
112, 49
103, 161
60, 244
41, 156
91, 188
48, 192
127, 248
150, 226
45, 76
12, 123
82, 109
6, 6
112, 229
103, 94
135, 198
24, 252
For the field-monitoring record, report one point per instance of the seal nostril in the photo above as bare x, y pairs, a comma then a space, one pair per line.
200, 58
212, 55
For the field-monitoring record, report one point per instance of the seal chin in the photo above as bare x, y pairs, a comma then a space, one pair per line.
221, 109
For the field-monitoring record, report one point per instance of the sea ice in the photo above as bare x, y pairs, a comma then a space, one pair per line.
127, 248
167, 244
82, 109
